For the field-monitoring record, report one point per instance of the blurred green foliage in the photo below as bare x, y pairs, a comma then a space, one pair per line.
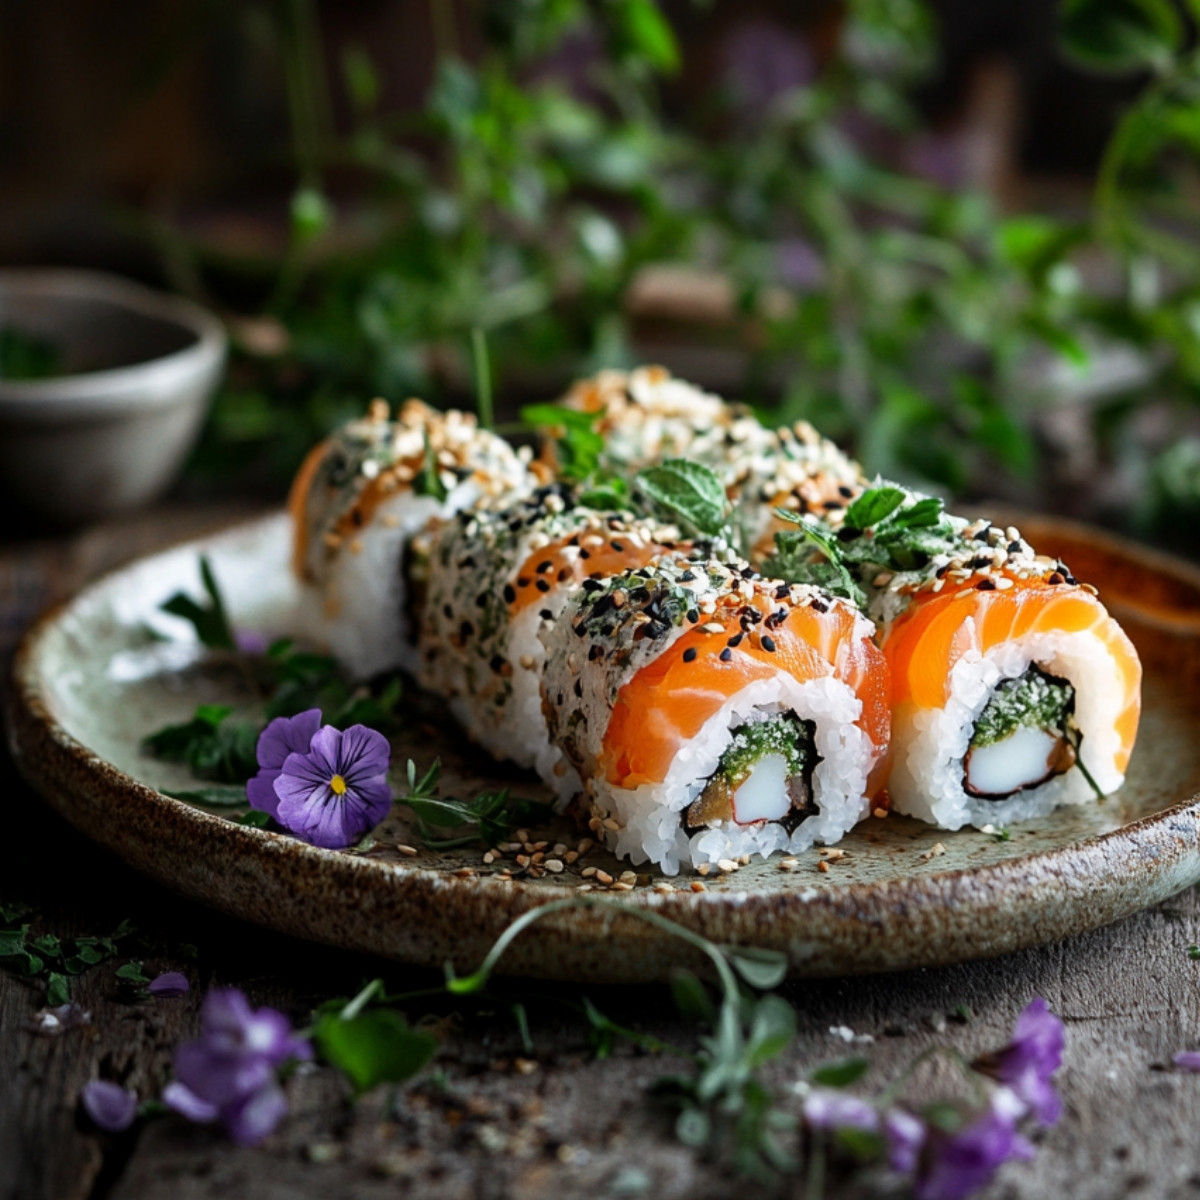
900, 311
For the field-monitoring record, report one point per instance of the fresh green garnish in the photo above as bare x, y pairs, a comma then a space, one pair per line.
429, 481
56, 959
1032, 701
210, 621
211, 744
578, 446
795, 560
494, 814
687, 493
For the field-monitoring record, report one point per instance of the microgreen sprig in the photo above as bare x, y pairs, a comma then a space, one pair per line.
493, 814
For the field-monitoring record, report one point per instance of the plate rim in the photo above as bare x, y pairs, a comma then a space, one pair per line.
810, 926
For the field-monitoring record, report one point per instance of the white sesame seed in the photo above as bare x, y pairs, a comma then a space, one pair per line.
411, 851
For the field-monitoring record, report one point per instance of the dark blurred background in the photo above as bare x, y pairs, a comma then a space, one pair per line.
930, 228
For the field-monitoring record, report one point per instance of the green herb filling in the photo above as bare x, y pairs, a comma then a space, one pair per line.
1034, 700
785, 734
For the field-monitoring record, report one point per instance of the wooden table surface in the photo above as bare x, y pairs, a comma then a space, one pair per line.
491, 1119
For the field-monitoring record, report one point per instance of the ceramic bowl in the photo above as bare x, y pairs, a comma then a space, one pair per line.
133, 372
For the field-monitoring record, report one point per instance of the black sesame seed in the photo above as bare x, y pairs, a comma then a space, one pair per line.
820, 606
523, 581
542, 586
619, 547
468, 563
768, 643
481, 600
447, 612
726, 655
496, 663
689, 655
1014, 547
693, 616
510, 593
986, 585
545, 565
736, 640
584, 554
981, 560
782, 591
846, 492
592, 585
1055, 578
579, 689
595, 651
564, 575
982, 535
687, 577
467, 630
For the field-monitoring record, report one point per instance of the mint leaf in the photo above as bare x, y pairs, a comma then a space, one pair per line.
58, 990
220, 795
255, 819
578, 446
874, 505
213, 746
210, 621
688, 492
759, 967
840, 1074
377, 1046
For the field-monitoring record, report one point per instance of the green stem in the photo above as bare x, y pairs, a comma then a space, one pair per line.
483, 379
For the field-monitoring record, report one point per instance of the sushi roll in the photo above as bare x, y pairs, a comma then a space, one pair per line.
497, 575
1012, 689
647, 416
712, 713
359, 504
1013, 692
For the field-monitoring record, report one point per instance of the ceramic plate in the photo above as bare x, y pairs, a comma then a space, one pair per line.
91, 679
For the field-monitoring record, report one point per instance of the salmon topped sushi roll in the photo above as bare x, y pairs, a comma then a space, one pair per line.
359, 502
1012, 689
712, 713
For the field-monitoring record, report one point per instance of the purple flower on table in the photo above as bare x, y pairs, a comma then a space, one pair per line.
282, 737
1189, 1060
229, 1073
169, 983
905, 1135
835, 1110
110, 1106
1026, 1064
336, 791
954, 1164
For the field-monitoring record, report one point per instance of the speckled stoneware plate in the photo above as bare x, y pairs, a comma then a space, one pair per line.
90, 682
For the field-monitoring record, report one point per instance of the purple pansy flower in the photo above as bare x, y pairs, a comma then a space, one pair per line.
336, 790
905, 1136
835, 1110
169, 983
1189, 1060
109, 1105
1026, 1064
284, 736
952, 1165
228, 1073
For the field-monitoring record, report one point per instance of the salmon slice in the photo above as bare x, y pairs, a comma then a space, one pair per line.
938, 629
571, 559
667, 702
